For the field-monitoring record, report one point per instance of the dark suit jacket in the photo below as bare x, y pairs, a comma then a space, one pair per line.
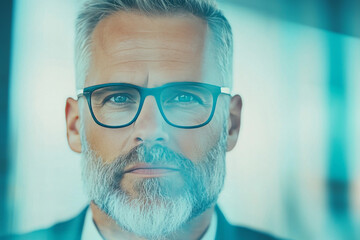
72, 229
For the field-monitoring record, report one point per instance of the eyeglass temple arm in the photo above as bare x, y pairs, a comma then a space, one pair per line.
225, 90
79, 93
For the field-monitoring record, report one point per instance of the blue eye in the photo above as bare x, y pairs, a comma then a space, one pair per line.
119, 99
185, 98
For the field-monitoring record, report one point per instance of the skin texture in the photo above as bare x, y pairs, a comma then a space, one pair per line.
150, 51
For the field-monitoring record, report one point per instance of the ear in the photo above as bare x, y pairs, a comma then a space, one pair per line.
73, 124
234, 121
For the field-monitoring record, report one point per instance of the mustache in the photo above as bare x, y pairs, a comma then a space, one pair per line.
154, 154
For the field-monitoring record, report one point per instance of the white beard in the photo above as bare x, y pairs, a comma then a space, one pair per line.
161, 206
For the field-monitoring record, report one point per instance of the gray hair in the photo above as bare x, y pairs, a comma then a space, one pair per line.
94, 11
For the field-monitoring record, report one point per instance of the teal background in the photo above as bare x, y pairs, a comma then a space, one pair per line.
295, 171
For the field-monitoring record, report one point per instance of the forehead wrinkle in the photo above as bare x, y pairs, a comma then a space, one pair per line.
148, 54
144, 55
147, 48
136, 39
151, 61
145, 45
139, 49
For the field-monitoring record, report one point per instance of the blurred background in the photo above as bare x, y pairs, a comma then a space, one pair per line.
295, 171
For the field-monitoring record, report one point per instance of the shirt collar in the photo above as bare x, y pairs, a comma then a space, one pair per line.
90, 231
211, 231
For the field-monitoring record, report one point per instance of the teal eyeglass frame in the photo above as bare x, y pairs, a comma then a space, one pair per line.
144, 92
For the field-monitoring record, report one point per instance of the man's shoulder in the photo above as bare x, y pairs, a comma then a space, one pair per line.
72, 229
231, 232
239, 232
69, 230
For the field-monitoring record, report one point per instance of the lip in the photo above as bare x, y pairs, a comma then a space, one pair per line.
150, 170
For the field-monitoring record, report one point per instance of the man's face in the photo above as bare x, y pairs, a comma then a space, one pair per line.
150, 52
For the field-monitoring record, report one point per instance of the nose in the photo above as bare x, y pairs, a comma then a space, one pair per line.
149, 127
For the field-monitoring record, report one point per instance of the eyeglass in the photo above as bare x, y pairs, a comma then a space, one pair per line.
181, 104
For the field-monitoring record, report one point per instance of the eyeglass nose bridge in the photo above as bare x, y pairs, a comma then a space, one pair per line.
155, 92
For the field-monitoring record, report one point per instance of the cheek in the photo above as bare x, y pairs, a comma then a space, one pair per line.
106, 142
195, 143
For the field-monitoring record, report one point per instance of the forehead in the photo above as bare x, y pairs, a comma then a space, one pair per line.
135, 48
122, 28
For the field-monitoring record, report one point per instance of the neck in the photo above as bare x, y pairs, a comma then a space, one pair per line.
192, 230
